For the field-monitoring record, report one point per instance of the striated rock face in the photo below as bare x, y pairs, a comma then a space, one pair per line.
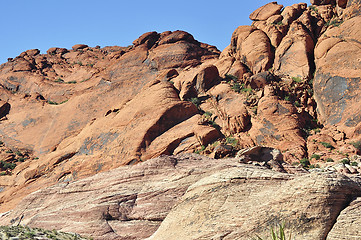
337, 76
180, 197
347, 223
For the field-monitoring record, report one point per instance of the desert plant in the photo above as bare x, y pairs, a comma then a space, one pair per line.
316, 156
327, 145
230, 77
305, 162
297, 79
277, 235
279, 23
314, 166
297, 104
247, 90
7, 165
198, 151
313, 8
59, 80
231, 140
52, 102
207, 114
334, 23
345, 161
329, 160
18, 153
354, 164
196, 101
71, 82
236, 87
87, 79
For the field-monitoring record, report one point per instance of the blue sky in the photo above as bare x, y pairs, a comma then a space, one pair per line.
41, 24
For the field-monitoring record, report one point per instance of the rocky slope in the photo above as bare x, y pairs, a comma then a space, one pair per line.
289, 82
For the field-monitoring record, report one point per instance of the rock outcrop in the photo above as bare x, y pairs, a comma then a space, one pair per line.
181, 197
81, 124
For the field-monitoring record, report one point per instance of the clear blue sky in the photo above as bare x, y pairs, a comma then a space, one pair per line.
27, 24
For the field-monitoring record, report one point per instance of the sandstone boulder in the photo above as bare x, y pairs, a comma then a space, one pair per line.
206, 78
266, 11
323, 2
148, 38
253, 48
79, 46
347, 223
294, 55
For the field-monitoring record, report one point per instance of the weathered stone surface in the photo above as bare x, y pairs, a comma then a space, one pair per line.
240, 189
183, 195
79, 46
266, 11
276, 126
104, 82
294, 54
348, 223
261, 79
206, 79
337, 76
125, 203
253, 48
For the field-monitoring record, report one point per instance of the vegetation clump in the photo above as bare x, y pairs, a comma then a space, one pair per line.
27, 233
277, 234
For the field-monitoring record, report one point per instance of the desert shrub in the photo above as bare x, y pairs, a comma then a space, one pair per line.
277, 235
345, 161
329, 160
198, 151
207, 114
231, 140
196, 101
314, 166
334, 23
59, 80
229, 77
316, 156
354, 164
313, 8
297, 104
305, 162
327, 145
236, 87
297, 79
52, 102
7, 165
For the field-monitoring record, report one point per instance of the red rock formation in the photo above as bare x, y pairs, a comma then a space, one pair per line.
75, 113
